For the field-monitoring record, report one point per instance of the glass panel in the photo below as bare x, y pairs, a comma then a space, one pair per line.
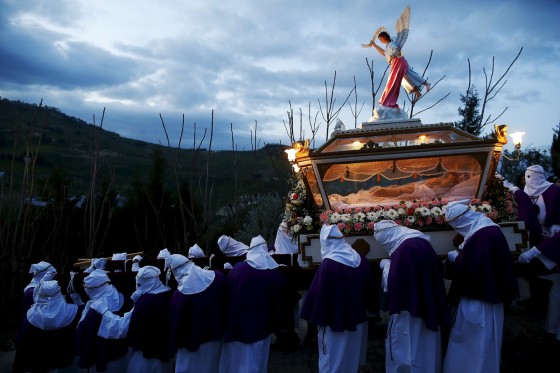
313, 187
394, 140
388, 182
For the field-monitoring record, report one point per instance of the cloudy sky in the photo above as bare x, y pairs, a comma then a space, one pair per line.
249, 59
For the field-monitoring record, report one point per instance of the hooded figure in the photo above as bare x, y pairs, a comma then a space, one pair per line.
284, 244
146, 326
94, 351
258, 256
546, 196
416, 299
37, 271
338, 301
177, 265
231, 247
525, 211
97, 263
258, 305
136, 263
163, 254
483, 281
197, 312
196, 252
46, 339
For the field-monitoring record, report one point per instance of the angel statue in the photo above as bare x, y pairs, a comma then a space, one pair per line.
400, 73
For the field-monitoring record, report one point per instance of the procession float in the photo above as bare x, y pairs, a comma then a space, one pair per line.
401, 170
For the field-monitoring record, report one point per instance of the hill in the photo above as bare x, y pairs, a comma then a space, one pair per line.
67, 145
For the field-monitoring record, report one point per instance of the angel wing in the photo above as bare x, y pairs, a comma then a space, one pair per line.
375, 35
402, 26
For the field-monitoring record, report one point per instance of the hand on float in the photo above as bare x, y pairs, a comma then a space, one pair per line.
76, 299
528, 255
452, 255
384, 263
99, 307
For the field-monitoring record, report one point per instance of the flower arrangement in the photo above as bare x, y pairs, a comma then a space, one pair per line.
498, 204
297, 215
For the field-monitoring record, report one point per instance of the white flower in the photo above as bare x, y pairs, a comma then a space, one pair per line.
436, 211
296, 228
308, 220
335, 217
485, 208
371, 216
346, 217
408, 204
392, 214
472, 207
410, 219
423, 211
359, 217
401, 211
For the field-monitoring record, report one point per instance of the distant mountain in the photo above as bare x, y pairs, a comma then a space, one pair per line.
55, 141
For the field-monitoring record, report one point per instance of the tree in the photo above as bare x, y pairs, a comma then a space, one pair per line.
470, 113
491, 89
329, 114
555, 150
263, 217
511, 170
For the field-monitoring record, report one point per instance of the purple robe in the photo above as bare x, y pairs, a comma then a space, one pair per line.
526, 213
551, 248
551, 199
484, 269
257, 303
415, 283
149, 328
27, 301
93, 350
198, 318
339, 296
40, 350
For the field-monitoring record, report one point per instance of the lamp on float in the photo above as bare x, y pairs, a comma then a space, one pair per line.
422, 139
291, 154
517, 138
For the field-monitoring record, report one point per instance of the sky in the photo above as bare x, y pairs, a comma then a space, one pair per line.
245, 63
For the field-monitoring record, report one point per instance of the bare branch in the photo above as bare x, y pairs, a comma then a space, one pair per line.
330, 113
441, 99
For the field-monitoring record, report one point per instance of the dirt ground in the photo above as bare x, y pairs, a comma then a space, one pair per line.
526, 347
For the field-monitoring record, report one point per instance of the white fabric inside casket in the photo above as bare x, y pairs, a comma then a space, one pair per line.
421, 180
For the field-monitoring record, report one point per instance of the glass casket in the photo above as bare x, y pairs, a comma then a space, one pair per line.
386, 164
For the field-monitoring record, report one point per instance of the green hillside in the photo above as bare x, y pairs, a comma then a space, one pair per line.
67, 144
